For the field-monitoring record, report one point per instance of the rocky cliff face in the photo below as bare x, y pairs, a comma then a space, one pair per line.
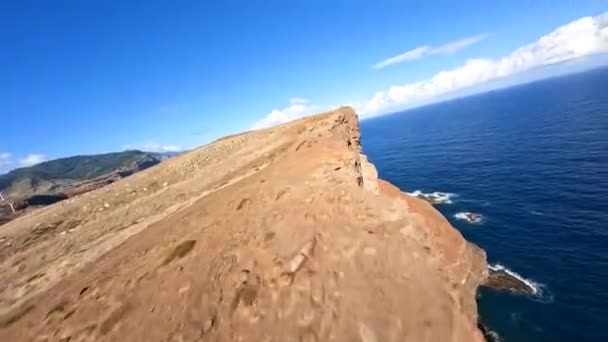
275, 235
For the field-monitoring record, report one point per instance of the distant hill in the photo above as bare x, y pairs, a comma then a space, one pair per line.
50, 176
164, 155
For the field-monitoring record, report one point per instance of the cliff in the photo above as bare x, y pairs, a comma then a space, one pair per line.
274, 235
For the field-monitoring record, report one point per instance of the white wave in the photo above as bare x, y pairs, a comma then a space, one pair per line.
538, 289
436, 197
470, 217
493, 336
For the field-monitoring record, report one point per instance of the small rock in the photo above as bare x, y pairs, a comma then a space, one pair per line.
106, 205
184, 289
472, 218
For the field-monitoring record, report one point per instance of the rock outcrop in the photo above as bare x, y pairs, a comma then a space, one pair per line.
274, 235
502, 279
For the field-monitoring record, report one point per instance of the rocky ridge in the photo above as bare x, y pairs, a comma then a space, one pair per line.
279, 234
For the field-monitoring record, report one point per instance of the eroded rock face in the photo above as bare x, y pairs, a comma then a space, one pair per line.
501, 279
274, 235
462, 262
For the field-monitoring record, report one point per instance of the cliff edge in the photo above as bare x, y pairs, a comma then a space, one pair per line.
274, 235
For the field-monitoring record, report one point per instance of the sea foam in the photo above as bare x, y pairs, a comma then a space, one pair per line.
472, 218
538, 290
437, 197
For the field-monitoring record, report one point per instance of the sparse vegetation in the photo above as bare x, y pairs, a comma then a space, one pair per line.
42, 177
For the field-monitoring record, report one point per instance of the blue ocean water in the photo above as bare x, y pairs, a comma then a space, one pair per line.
533, 160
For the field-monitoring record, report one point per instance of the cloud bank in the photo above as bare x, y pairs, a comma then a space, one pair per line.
298, 107
425, 50
583, 37
580, 38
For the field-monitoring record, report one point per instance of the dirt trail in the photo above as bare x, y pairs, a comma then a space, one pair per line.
283, 234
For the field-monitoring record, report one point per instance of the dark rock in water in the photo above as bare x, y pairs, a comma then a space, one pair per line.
488, 335
500, 279
472, 218
429, 198
433, 197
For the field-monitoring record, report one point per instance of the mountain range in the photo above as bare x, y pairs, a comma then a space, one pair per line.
51, 176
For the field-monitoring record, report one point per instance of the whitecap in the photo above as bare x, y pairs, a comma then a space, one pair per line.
435, 197
472, 218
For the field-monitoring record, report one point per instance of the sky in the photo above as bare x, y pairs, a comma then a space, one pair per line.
86, 77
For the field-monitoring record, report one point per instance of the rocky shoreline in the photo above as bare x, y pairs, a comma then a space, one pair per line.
283, 257
488, 334
498, 278
504, 280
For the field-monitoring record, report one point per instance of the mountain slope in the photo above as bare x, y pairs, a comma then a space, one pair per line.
283, 234
48, 176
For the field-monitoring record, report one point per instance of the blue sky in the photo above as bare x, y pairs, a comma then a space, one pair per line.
82, 77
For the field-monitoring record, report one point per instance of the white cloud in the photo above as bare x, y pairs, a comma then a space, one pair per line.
297, 108
453, 47
425, 50
583, 37
153, 147
32, 159
6, 160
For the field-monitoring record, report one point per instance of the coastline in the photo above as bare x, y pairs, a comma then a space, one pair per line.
371, 260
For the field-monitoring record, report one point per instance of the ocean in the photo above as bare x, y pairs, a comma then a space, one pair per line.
533, 161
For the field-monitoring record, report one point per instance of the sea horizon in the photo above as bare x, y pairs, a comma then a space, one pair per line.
531, 161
